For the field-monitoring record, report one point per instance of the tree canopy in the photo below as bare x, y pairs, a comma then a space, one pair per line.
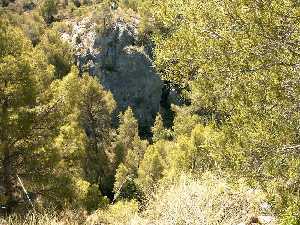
235, 64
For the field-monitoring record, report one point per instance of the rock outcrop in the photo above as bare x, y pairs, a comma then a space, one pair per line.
110, 52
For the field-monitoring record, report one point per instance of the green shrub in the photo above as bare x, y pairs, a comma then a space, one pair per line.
48, 10
121, 213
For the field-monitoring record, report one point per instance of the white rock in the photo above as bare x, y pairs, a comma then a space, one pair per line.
266, 219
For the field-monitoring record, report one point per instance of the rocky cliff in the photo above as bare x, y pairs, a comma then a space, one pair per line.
109, 50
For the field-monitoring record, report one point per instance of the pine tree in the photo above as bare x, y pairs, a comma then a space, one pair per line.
238, 61
158, 128
129, 151
82, 144
159, 131
29, 115
152, 167
95, 117
53, 132
58, 53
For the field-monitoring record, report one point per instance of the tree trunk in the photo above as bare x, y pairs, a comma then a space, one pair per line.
7, 163
9, 183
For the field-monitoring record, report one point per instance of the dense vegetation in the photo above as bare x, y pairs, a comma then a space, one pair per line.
233, 146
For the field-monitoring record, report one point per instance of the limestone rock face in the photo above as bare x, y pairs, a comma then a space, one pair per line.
123, 67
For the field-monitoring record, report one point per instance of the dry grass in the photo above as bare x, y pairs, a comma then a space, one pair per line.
206, 201
46, 218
